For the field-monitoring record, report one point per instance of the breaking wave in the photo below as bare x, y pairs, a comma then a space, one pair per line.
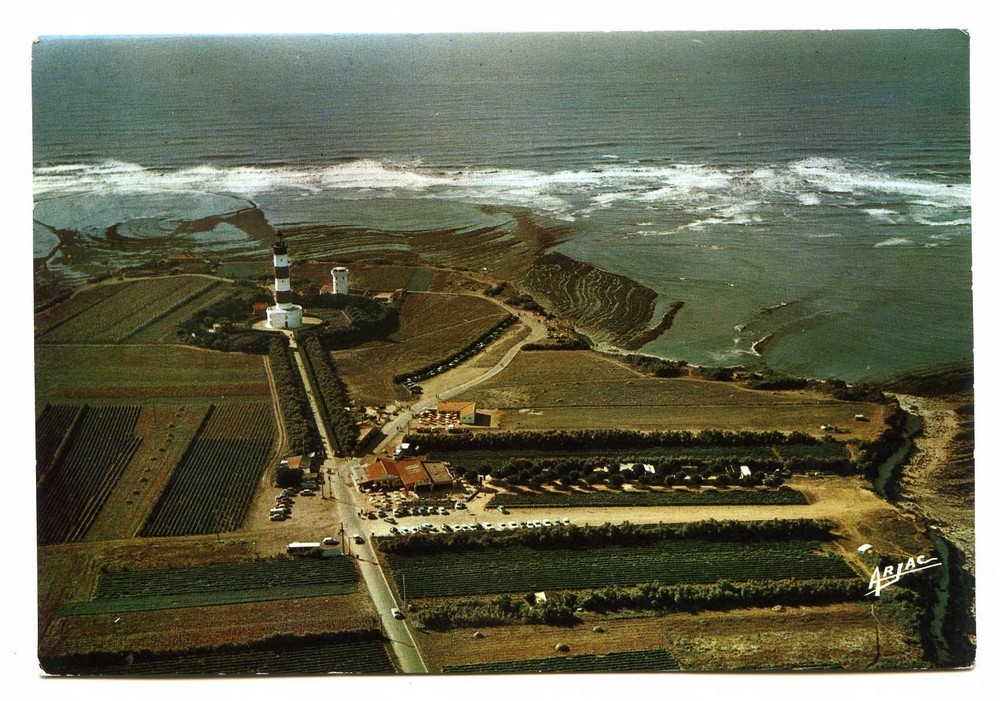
709, 194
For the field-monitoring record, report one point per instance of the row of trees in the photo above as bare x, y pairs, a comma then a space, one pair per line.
333, 394
650, 596
671, 471
300, 433
609, 534
607, 439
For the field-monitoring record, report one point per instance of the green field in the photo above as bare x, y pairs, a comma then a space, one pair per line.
233, 583
146, 310
633, 661
523, 569
144, 374
666, 497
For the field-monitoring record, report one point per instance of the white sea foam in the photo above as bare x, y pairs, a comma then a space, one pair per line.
893, 242
882, 215
710, 194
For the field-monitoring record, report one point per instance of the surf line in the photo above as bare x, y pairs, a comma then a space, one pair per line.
890, 574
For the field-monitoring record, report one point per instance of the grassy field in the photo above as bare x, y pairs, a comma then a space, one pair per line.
834, 636
145, 374
579, 389
432, 326
138, 311
524, 569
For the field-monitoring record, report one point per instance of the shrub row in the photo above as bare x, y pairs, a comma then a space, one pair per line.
333, 395
607, 439
652, 596
299, 430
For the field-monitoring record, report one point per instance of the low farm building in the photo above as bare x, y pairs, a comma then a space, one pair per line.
466, 411
410, 474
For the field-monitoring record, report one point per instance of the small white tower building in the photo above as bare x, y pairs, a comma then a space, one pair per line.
339, 281
284, 314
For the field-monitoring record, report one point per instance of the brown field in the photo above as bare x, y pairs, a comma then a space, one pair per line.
579, 389
145, 310
840, 635
145, 374
206, 626
432, 327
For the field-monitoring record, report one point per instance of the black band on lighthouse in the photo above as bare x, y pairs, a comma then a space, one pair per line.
281, 273
283, 296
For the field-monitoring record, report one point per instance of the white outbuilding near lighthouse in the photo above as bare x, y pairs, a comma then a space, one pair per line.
339, 281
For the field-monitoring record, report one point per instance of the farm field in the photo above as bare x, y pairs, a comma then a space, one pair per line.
581, 389
523, 569
166, 432
137, 311
205, 626
357, 653
215, 481
832, 636
145, 374
210, 585
665, 497
431, 327
93, 453
657, 660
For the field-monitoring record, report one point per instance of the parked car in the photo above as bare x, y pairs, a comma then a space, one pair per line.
358, 539
307, 493
459, 506
330, 541
277, 517
502, 509
397, 614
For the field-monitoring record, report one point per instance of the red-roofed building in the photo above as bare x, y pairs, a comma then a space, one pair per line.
410, 473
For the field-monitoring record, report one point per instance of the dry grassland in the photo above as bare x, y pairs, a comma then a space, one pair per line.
841, 635
432, 327
579, 389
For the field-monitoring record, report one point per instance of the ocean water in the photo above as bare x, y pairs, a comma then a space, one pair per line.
807, 188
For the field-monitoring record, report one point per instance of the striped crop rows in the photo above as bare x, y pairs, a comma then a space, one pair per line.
51, 430
520, 568
212, 486
80, 480
658, 660
365, 656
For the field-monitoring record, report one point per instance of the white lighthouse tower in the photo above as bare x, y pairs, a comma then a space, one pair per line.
284, 314
339, 281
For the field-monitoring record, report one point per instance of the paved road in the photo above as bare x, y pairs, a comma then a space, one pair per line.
343, 492
391, 429
371, 571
